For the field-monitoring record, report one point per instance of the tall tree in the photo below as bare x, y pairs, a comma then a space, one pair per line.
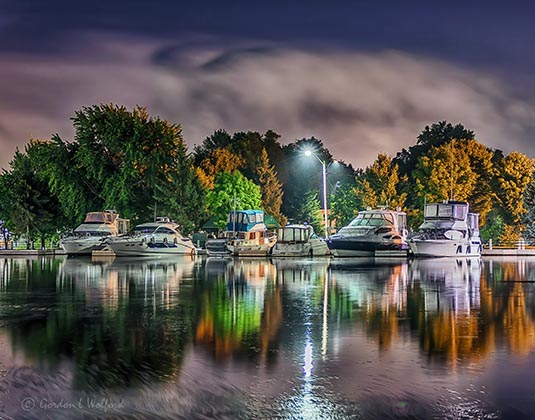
271, 188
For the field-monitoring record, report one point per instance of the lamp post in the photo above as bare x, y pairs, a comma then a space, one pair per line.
324, 178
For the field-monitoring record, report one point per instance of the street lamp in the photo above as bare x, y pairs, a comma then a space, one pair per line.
324, 177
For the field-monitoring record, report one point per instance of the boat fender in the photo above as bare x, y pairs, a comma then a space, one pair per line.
165, 241
175, 241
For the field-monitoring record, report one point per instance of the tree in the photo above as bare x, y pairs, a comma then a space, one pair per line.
123, 160
218, 160
271, 189
344, 204
514, 176
437, 135
382, 177
27, 203
230, 186
310, 211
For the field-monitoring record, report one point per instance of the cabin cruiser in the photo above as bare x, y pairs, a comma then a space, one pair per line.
92, 234
299, 241
448, 230
245, 235
371, 231
158, 238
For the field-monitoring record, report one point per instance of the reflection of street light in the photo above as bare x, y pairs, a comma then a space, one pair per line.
324, 176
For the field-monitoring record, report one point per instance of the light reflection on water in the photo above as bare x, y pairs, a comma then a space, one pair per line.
251, 338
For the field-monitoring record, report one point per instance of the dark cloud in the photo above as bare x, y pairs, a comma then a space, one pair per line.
360, 104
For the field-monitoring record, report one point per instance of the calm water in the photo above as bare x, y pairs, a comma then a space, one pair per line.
205, 338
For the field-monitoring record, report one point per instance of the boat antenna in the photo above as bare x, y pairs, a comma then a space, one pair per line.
155, 211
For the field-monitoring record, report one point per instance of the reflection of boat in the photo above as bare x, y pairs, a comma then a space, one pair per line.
448, 230
154, 238
371, 231
91, 234
246, 235
299, 241
448, 284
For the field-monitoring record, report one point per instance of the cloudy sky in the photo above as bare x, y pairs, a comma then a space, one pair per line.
365, 77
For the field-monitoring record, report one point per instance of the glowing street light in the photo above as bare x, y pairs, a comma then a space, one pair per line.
324, 177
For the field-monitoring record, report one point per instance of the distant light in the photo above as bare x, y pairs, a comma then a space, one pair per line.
308, 153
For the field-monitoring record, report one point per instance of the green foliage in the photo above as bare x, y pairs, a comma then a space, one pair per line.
344, 205
27, 205
310, 212
492, 229
227, 186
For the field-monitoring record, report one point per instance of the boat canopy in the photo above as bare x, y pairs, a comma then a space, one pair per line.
100, 217
245, 220
294, 233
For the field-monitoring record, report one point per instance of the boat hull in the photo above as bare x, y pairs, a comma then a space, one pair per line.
140, 248
347, 247
83, 246
444, 248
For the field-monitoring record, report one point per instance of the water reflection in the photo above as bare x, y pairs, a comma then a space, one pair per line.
321, 338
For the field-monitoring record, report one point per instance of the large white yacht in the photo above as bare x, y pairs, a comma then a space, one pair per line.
299, 241
371, 231
448, 230
158, 238
92, 233
246, 236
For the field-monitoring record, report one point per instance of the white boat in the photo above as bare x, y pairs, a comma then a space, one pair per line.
246, 235
448, 230
159, 238
371, 231
92, 234
299, 241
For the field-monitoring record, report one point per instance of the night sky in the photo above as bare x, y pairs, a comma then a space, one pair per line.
365, 78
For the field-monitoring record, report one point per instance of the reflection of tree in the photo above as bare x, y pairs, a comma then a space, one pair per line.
128, 343
238, 312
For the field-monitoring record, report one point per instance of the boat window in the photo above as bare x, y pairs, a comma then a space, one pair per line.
459, 212
431, 210
144, 229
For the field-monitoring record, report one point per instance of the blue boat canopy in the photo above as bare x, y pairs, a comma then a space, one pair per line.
244, 220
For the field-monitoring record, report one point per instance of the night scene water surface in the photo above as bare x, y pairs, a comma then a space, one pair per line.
312, 338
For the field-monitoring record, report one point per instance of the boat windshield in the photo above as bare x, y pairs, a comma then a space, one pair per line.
144, 229
373, 219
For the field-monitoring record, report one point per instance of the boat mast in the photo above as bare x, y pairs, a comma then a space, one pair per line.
234, 216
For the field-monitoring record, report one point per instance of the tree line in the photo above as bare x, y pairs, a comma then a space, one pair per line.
140, 165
